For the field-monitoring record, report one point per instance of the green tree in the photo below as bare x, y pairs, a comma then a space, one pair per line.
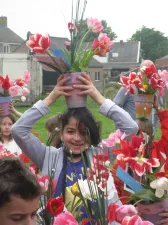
107, 29
153, 43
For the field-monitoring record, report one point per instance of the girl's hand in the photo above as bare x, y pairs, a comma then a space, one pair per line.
14, 111
165, 220
59, 90
1, 111
89, 89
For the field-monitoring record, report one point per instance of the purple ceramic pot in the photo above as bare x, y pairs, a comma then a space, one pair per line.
75, 100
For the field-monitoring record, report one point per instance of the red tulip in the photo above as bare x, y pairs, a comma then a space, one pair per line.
111, 215
6, 83
39, 43
20, 82
55, 206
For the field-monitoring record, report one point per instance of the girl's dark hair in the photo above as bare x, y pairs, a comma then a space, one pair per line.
17, 179
84, 117
1, 119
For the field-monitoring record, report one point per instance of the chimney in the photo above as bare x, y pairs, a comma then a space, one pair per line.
3, 21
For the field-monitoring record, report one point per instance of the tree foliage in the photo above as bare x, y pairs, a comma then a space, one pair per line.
107, 29
154, 44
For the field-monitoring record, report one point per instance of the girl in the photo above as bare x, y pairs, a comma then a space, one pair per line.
6, 138
79, 131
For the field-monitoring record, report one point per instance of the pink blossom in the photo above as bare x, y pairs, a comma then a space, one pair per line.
114, 138
1, 148
94, 25
27, 77
125, 210
134, 220
65, 218
164, 76
25, 91
14, 90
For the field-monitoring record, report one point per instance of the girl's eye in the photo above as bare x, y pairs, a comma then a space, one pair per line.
70, 132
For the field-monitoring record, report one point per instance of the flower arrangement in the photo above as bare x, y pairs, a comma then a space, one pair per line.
147, 81
140, 178
96, 190
14, 88
77, 55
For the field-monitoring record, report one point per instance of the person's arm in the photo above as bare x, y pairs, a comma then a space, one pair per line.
121, 97
21, 130
108, 108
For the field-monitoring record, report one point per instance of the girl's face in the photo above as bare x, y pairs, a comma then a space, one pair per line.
74, 136
5, 126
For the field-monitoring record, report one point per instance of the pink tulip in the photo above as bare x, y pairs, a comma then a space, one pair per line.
71, 27
125, 210
39, 43
67, 45
27, 77
101, 45
134, 220
65, 218
94, 25
114, 139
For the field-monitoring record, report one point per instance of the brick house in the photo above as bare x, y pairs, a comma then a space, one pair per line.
162, 63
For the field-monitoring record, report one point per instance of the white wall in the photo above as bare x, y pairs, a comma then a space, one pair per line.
13, 65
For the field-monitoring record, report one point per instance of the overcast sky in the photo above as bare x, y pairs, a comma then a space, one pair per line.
124, 16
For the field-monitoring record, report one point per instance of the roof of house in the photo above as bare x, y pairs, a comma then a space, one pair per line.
125, 52
8, 36
95, 64
164, 57
120, 65
58, 42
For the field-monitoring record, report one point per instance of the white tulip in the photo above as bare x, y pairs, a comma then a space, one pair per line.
161, 185
88, 189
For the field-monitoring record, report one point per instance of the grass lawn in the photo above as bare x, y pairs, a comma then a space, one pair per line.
60, 106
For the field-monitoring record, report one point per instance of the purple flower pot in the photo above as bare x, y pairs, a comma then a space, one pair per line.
151, 212
75, 100
4, 105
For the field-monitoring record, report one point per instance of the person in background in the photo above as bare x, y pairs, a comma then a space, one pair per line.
53, 127
6, 138
126, 101
20, 193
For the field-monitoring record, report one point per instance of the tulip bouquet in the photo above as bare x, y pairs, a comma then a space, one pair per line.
146, 81
14, 88
76, 55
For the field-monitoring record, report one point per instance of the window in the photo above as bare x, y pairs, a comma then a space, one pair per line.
97, 76
6, 48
